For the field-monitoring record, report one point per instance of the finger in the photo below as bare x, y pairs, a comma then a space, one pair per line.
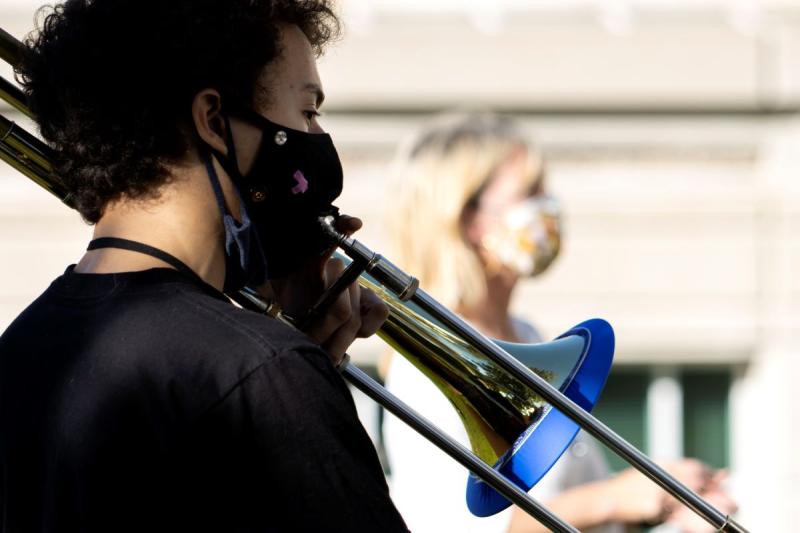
297, 293
338, 343
374, 313
339, 311
347, 224
341, 284
715, 482
687, 521
691, 472
724, 503
719, 479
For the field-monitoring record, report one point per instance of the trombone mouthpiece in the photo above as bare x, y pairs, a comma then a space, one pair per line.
383, 270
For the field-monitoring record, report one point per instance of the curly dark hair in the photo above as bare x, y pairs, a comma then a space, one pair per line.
112, 81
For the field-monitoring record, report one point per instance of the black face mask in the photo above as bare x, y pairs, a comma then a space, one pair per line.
294, 180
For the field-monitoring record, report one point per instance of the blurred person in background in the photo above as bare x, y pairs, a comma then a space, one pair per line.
471, 217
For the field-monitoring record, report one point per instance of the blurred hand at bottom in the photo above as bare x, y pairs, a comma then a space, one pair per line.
637, 499
714, 493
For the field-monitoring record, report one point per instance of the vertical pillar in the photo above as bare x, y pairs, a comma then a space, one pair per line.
665, 415
766, 413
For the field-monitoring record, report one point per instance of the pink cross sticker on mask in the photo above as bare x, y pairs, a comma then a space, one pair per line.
302, 183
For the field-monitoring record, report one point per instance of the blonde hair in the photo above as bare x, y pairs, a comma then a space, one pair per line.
436, 178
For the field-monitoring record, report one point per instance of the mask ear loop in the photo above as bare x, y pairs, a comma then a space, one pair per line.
229, 163
232, 160
215, 183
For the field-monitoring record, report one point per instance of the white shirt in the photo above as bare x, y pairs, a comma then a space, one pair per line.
429, 487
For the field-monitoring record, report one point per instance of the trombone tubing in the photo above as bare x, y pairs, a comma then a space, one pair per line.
11, 50
18, 148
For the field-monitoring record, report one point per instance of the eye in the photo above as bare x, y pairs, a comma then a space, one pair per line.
311, 114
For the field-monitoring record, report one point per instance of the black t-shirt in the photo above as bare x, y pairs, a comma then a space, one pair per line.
144, 401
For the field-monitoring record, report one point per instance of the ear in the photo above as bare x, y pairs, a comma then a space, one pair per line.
208, 120
470, 228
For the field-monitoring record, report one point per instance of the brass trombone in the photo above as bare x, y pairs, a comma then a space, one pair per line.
503, 402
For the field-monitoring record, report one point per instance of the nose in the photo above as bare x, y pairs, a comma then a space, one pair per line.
315, 127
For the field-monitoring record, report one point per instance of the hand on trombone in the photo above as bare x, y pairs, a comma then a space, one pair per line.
354, 313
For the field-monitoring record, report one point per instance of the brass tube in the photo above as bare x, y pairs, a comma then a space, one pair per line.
14, 96
30, 156
11, 50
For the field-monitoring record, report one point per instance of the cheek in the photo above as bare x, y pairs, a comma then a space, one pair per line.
283, 108
476, 228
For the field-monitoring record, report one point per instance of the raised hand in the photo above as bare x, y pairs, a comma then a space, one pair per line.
355, 313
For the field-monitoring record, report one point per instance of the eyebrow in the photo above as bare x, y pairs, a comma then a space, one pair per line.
316, 90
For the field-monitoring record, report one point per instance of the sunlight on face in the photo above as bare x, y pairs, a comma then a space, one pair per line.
294, 90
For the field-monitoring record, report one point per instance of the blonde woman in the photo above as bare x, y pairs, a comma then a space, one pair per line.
471, 217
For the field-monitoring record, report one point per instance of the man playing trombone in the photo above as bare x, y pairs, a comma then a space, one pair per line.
133, 395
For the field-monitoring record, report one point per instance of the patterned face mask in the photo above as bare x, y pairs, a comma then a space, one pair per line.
527, 238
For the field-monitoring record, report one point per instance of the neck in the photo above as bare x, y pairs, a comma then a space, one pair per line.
490, 315
183, 220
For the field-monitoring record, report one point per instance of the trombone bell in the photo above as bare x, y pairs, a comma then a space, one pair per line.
509, 426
